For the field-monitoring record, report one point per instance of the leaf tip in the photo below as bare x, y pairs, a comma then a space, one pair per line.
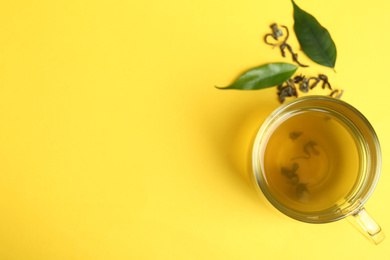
294, 4
221, 87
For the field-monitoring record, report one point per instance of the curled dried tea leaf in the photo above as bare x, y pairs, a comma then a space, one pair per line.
266, 39
286, 91
298, 79
315, 83
277, 32
287, 33
325, 80
295, 58
336, 92
295, 91
333, 92
284, 45
304, 87
282, 97
339, 95
294, 55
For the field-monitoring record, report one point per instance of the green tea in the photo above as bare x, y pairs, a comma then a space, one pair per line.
312, 160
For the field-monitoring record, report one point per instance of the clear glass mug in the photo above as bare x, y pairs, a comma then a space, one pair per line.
317, 159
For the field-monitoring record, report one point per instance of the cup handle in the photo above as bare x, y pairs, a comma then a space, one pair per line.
368, 226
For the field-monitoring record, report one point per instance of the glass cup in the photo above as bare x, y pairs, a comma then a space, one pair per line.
317, 159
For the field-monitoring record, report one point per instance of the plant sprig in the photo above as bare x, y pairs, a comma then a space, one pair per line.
315, 42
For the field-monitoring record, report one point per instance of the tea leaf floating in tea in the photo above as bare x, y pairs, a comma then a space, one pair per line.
310, 145
293, 179
265, 76
295, 135
300, 190
291, 175
306, 149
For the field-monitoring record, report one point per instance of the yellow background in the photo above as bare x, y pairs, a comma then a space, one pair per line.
114, 143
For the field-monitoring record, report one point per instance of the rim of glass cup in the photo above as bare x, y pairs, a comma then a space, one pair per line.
314, 217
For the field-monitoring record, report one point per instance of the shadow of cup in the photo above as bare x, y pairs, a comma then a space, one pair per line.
241, 136
235, 145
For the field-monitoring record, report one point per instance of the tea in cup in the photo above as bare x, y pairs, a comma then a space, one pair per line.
317, 159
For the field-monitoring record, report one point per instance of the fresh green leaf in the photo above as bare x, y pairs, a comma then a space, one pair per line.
265, 76
314, 39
